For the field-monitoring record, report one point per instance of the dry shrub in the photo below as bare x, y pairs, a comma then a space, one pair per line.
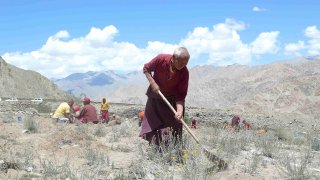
100, 131
253, 164
284, 134
31, 124
295, 166
121, 148
52, 170
84, 131
96, 158
269, 145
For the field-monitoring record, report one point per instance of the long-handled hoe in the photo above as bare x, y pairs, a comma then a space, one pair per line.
221, 164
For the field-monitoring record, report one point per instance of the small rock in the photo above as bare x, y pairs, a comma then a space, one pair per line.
25, 131
29, 169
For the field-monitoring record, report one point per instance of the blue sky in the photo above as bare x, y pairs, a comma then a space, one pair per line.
58, 37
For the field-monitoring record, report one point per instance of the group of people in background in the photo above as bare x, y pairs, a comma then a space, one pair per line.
235, 124
71, 112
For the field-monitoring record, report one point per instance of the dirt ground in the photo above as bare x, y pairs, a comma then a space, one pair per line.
105, 151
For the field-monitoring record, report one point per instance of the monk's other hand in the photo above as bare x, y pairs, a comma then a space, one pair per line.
155, 88
178, 116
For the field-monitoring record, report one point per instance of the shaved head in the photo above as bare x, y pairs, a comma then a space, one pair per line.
180, 57
181, 52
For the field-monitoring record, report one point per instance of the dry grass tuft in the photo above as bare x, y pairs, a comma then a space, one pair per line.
31, 124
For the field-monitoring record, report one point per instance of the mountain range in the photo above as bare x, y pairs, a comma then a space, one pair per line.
288, 88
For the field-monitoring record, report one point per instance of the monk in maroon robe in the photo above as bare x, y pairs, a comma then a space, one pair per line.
235, 121
88, 113
246, 124
171, 77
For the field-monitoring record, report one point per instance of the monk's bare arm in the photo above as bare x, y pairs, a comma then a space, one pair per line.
148, 75
154, 86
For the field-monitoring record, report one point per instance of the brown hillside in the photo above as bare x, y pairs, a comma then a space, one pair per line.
19, 83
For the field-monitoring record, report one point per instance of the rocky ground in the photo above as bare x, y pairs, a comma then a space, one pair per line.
37, 148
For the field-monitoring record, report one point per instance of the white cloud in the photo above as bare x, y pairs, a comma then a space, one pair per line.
98, 50
257, 9
313, 33
294, 48
62, 34
222, 43
309, 47
104, 37
266, 42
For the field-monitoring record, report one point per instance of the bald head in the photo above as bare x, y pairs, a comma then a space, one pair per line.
181, 52
181, 57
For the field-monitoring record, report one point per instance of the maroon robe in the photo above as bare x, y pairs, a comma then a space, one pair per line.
158, 116
88, 114
235, 121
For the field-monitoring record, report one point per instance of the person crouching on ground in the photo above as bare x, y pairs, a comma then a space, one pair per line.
88, 112
104, 111
194, 121
62, 113
76, 111
235, 122
246, 125
115, 120
171, 76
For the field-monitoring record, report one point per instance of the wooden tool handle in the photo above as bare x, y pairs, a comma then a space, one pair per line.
184, 124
